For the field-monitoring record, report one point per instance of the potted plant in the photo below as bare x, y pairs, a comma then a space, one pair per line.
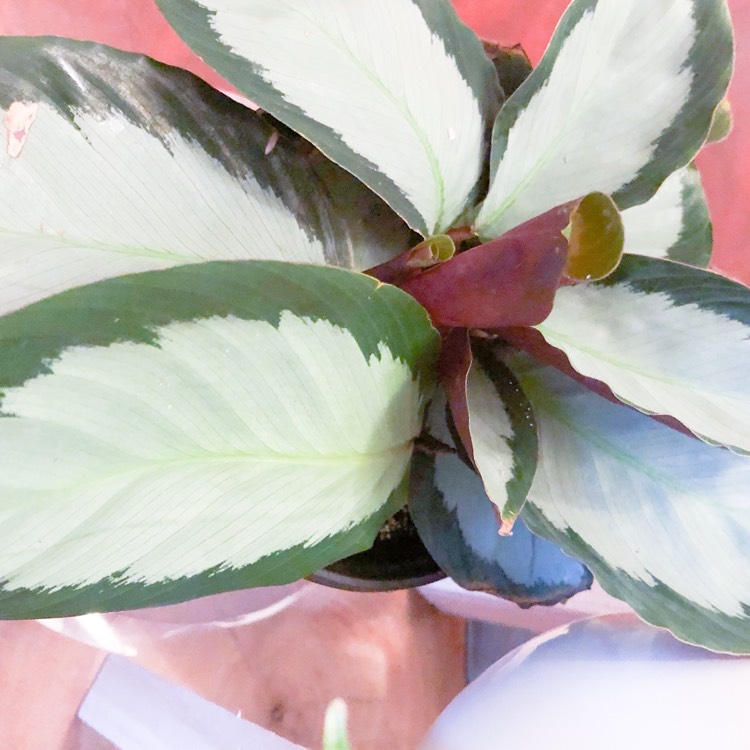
234, 343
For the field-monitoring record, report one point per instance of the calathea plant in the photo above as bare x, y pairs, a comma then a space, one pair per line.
234, 342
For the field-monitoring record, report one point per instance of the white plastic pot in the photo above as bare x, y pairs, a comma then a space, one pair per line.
608, 682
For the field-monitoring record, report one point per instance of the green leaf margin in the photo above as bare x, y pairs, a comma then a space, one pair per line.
130, 308
192, 21
678, 143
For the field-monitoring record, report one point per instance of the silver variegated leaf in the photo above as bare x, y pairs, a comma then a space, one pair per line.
115, 164
399, 93
176, 433
661, 518
668, 339
674, 223
624, 95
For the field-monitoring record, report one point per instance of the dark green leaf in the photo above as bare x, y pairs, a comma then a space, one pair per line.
458, 524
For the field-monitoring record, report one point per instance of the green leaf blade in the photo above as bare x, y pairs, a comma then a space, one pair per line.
400, 96
492, 420
458, 523
247, 436
624, 95
129, 165
668, 339
674, 223
660, 517
503, 437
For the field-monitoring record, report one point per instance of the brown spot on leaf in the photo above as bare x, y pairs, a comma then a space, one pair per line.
18, 120
504, 525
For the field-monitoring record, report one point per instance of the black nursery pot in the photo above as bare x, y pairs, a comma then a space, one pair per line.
397, 560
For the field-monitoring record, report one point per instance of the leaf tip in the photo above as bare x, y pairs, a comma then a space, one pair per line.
505, 523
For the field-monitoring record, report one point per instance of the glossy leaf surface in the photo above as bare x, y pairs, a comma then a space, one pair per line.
596, 240
458, 524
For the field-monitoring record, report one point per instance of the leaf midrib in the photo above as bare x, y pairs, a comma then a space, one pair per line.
146, 466
600, 356
418, 131
81, 244
573, 116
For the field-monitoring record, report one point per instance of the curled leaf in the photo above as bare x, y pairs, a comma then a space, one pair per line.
512, 280
721, 124
492, 420
596, 239
509, 281
426, 254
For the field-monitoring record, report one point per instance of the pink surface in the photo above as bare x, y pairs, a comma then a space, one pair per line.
137, 25
133, 25
394, 659
726, 168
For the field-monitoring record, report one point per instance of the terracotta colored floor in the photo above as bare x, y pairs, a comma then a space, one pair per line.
395, 659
